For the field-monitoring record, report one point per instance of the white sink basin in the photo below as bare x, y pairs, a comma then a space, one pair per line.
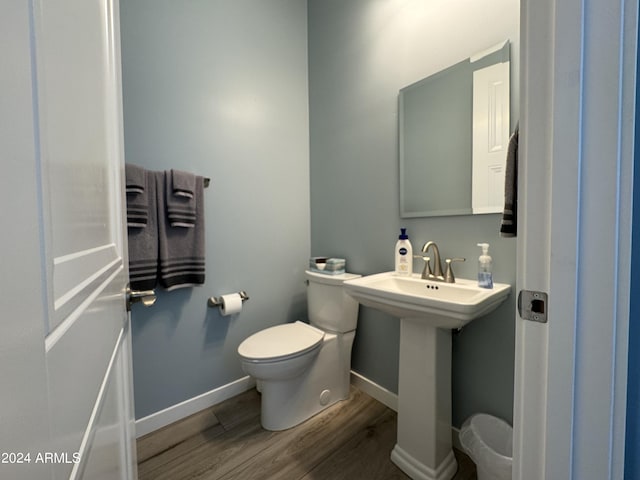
444, 305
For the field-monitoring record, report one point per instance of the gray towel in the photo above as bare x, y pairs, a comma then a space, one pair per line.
143, 243
183, 184
509, 224
137, 214
181, 250
135, 178
137, 196
181, 209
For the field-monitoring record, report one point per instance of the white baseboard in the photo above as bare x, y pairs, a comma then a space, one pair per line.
208, 399
455, 438
193, 405
371, 388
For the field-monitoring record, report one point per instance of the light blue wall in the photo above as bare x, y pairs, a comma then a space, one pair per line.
219, 88
361, 52
222, 88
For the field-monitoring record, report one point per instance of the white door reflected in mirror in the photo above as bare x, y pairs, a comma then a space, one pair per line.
490, 137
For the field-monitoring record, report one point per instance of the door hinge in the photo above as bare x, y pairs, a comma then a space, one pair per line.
533, 305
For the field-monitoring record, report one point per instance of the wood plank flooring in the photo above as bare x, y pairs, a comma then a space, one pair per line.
350, 440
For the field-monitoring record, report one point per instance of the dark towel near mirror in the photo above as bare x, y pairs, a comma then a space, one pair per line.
509, 224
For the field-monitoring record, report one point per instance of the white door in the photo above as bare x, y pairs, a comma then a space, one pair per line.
65, 365
575, 191
491, 94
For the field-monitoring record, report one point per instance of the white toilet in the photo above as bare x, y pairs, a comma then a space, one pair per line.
301, 369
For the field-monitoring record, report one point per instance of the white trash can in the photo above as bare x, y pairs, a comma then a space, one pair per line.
489, 442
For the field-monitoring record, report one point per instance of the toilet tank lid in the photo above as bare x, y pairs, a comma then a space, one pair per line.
329, 279
290, 339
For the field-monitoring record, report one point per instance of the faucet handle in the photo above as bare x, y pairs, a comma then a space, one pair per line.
426, 271
448, 276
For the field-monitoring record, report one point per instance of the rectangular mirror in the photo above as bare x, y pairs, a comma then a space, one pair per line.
453, 136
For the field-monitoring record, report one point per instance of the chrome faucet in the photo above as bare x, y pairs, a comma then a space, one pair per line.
436, 273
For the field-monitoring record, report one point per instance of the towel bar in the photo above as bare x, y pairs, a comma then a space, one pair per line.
217, 301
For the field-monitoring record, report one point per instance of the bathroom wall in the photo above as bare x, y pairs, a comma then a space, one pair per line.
632, 441
361, 52
219, 88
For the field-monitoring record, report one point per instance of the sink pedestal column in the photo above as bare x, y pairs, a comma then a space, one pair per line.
423, 449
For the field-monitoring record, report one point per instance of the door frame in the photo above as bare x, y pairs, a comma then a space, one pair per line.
578, 71
23, 303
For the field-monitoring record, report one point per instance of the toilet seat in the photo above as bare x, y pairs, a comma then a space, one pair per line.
281, 342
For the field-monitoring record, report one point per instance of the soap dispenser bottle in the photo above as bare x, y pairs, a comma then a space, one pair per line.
404, 254
485, 264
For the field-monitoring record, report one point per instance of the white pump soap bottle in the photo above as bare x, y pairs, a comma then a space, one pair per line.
404, 254
485, 264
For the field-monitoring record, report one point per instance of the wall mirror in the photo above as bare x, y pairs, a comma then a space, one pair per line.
453, 137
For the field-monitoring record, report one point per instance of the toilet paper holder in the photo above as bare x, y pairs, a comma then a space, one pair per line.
217, 301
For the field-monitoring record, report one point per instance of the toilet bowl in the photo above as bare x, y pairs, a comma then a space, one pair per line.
281, 352
304, 368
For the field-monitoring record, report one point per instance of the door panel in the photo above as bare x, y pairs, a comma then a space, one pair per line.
107, 459
77, 364
73, 71
79, 124
77, 105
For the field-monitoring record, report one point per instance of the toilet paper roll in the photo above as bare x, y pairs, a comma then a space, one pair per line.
231, 304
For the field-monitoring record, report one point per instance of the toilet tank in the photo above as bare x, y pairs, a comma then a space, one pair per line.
329, 307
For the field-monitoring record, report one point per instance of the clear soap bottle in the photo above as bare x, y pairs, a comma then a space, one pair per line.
485, 265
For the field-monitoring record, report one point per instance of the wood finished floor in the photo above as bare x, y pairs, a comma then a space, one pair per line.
350, 440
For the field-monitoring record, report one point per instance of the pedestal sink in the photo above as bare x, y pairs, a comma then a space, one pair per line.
428, 310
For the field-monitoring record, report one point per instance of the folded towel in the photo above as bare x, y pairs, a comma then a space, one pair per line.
509, 224
181, 250
135, 178
328, 266
137, 196
137, 214
143, 243
181, 210
183, 184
